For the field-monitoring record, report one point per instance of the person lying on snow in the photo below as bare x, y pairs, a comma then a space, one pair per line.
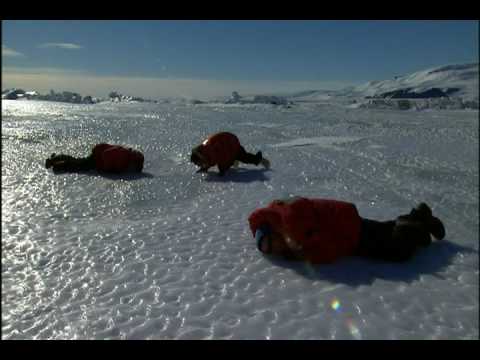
224, 150
323, 230
103, 158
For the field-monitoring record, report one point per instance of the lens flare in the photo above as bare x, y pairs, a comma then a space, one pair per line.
354, 330
336, 305
350, 324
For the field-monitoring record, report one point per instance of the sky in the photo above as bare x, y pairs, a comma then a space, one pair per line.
213, 58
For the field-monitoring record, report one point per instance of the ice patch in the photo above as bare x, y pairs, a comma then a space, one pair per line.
179, 158
324, 141
264, 125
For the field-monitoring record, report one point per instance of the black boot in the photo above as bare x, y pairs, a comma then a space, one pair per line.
258, 157
261, 160
49, 161
423, 213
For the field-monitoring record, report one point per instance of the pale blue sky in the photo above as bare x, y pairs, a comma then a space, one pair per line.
212, 57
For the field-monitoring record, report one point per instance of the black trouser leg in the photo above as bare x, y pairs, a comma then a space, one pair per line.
57, 158
248, 158
62, 157
391, 240
71, 164
374, 235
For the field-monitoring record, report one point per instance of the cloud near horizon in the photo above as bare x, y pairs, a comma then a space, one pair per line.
6, 51
44, 79
68, 46
6, 70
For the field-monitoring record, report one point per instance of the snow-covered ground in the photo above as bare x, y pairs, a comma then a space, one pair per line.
168, 255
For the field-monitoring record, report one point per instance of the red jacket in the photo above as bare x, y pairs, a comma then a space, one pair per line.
326, 229
117, 159
220, 149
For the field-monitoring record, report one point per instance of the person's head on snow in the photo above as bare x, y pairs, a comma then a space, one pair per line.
197, 157
223, 149
273, 242
271, 236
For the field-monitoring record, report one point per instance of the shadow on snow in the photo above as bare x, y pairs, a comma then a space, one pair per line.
355, 271
239, 175
124, 176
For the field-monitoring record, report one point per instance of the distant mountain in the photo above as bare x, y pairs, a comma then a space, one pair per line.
444, 81
311, 95
453, 81
307, 93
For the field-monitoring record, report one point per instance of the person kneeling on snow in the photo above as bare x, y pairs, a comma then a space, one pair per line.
223, 149
323, 230
103, 158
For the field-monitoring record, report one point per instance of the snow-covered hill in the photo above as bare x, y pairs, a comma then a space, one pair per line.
453, 80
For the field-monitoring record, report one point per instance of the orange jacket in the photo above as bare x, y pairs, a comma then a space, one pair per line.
220, 149
116, 159
326, 229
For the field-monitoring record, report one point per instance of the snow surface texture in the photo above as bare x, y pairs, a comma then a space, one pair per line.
168, 254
